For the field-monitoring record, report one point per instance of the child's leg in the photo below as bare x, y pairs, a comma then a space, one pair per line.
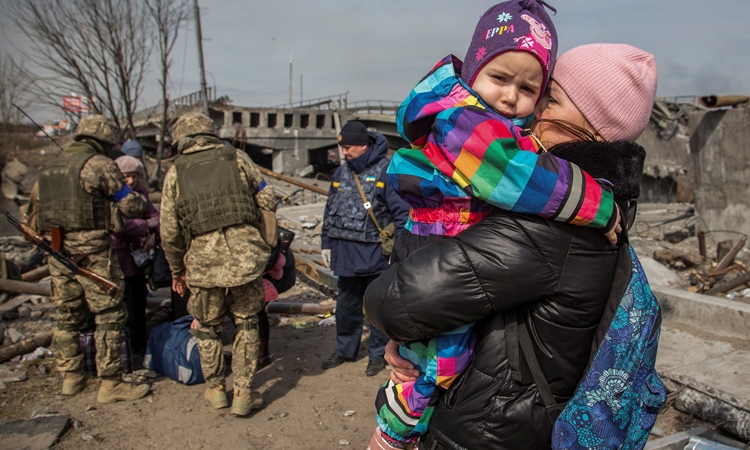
404, 410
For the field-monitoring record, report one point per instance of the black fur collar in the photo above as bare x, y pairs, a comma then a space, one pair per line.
620, 163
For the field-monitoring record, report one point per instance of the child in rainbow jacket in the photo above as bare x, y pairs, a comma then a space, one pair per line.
470, 153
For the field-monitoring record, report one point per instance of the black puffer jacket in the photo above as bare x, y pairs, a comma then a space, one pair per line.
556, 277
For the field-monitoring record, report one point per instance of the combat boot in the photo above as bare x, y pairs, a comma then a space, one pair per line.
114, 390
245, 401
73, 382
217, 397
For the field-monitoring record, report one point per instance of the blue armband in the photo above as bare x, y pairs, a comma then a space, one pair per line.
121, 194
261, 186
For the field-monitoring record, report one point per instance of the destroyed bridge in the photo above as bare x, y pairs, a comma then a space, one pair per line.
292, 139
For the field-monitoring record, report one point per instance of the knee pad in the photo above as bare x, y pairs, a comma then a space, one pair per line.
211, 334
246, 324
68, 327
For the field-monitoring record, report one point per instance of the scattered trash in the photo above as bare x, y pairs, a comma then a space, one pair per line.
701, 443
343, 442
39, 353
284, 414
307, 322
328, 321
88, 437
77, 425
746, 292
280, 368
350, 413
90, 408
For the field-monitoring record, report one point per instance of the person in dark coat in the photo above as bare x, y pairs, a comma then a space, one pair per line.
351, 239
554, 277
135, 240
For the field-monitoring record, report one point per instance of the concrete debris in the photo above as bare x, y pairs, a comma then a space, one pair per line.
11, 377
18, 180
12, 336
35, 434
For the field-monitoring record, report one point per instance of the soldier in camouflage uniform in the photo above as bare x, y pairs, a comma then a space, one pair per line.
210, 212
83, 191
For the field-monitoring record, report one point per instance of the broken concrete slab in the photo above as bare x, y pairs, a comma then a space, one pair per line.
715, 315
35, 434
710, 373
657, 273
294, 212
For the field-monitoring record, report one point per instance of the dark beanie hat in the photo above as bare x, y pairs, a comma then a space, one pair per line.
354, 133
521, 25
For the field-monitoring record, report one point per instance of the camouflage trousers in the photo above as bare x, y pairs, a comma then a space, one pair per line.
207, 307
72, 295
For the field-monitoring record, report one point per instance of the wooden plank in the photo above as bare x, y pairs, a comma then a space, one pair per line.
24, 287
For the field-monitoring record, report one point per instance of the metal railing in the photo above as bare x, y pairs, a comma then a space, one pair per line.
382, 107
177, 106
335, 101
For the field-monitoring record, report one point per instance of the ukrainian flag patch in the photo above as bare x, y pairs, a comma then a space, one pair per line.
371, 179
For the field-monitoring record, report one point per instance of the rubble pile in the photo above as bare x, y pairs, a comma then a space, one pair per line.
711, 262
18, 180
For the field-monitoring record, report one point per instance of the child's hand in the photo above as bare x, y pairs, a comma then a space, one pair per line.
612, 234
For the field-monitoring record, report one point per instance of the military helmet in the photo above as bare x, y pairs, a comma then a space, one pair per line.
97, 127
191, 124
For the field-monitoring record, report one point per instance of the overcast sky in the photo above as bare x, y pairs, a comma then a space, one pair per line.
379, 49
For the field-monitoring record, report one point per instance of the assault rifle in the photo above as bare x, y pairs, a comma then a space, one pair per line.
60, 255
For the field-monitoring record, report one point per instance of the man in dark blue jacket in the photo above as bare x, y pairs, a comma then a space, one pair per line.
351, 238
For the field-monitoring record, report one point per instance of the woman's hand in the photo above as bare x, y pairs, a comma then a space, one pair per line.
149, 243
401, 369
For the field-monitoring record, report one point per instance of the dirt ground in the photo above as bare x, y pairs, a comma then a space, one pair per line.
306, 407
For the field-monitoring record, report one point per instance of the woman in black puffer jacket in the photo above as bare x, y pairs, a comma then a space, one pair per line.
553, 277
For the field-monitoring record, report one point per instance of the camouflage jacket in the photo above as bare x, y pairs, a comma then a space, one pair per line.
100, 176
227, 257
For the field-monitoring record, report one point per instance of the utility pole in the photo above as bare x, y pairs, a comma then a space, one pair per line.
290, 78
300, 89
204, 93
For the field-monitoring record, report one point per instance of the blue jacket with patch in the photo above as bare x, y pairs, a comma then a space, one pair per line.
353, 258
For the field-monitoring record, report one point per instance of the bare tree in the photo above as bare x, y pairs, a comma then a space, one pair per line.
14, 89
99, 48
168, 16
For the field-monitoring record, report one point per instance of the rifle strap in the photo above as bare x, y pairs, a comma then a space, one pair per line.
365, 203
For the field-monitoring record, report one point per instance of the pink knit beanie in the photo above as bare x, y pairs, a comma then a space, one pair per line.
613, 85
